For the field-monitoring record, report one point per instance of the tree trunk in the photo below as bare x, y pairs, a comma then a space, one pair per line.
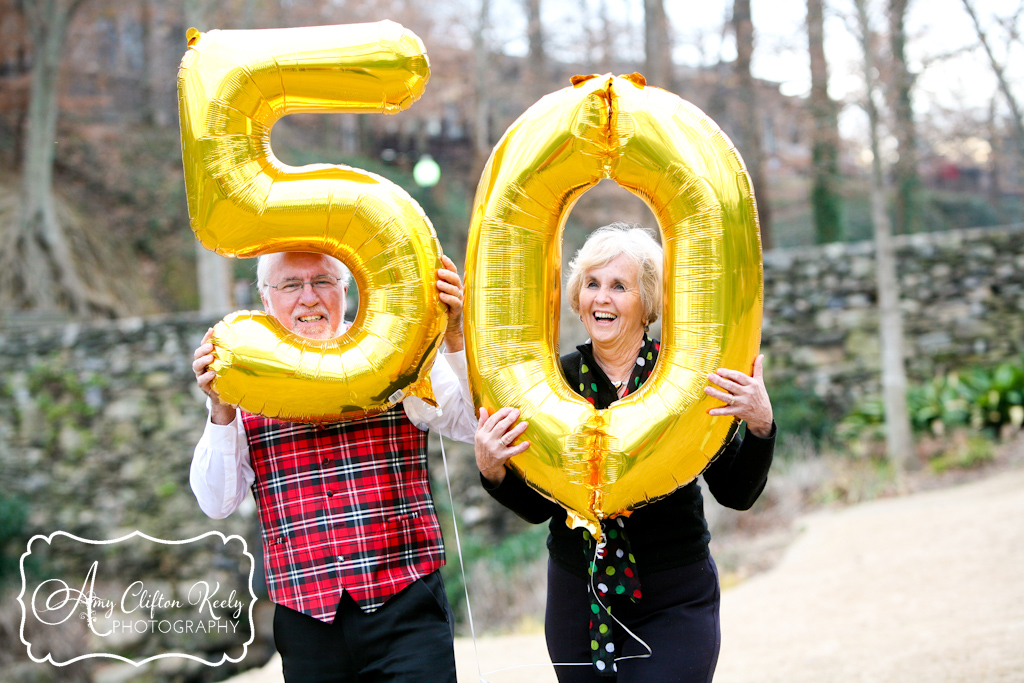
894, 377
750, 144
657, 45
605, 63
907, 205
39, 269
213, 272
1004, 86
537, 63
481, 128
825, 197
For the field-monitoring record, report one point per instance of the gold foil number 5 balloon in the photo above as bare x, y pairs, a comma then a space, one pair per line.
598, 463
232, 87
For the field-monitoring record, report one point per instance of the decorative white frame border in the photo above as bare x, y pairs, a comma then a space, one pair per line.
49, 539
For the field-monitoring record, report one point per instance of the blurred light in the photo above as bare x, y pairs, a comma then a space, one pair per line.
426, 172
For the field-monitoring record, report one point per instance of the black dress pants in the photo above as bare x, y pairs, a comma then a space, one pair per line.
408, 639
678, 617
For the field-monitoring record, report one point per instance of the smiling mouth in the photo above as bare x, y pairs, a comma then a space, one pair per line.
310, 318
607, 317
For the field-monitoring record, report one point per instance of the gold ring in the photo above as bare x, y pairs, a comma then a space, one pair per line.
732, 399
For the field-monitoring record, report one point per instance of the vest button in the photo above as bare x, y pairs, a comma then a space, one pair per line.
330, 493
341, 558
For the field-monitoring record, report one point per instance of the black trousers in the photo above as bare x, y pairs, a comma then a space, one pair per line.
408, 639
678, 616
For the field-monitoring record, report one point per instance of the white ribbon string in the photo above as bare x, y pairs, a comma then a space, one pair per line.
469, 609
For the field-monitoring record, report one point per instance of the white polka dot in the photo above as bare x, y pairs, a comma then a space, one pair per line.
610, 647
600, 665
602, 587
641, 362
618, 553
615, 667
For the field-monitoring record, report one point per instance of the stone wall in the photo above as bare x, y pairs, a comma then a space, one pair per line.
97, 426
98, 420
962, 294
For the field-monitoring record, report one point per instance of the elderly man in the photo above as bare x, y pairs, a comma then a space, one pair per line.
351, 539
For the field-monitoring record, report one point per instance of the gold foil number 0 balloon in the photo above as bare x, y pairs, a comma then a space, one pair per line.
598, 463
232, 87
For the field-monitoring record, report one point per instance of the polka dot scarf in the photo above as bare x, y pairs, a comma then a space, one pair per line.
612, 567
641, 371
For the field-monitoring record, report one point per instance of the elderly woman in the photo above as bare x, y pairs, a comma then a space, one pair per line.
668, 593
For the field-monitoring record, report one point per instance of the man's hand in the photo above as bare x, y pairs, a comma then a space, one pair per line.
449, 284
220, 413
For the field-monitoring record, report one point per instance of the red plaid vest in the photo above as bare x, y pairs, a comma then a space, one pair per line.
343, 506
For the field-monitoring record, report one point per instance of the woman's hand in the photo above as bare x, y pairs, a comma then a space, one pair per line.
745, 397
495, 442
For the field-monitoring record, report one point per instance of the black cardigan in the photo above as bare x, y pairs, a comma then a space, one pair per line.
666, 533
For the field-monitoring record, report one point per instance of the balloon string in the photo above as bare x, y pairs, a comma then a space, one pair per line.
625, 628
469, 608
462, 561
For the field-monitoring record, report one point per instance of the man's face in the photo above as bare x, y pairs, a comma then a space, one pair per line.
314, 312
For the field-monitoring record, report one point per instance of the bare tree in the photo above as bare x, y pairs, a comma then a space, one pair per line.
481, 128
657, 45
213, 272
907, 204
750, 143
825, 197
47, 264
1000, 72
537, 62
894, 375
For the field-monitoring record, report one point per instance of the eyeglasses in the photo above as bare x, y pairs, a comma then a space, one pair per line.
321, 283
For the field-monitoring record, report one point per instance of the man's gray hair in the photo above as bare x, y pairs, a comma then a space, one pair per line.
263, 267
639, 247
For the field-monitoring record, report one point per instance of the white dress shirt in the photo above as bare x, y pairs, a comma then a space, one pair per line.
222, 474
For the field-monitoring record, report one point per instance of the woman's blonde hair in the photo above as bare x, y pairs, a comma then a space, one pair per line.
639, 247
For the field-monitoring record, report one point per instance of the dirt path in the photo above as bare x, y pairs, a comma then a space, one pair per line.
929, 587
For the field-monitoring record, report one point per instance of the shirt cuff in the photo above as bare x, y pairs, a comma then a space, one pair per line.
770, 437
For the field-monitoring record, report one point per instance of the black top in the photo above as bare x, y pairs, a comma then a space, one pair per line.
666, 533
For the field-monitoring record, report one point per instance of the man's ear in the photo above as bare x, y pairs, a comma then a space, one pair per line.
263, 298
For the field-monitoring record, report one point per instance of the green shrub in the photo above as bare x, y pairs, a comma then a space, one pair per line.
801, 414
981, 398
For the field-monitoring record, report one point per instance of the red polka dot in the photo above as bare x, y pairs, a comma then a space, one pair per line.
591, 399
636, 594
629, 572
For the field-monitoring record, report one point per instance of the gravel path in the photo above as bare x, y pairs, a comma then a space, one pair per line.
929, 587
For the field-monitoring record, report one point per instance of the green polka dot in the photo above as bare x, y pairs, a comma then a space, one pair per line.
593, 386
632, 559
584, 369
620, 589
603, 628
593, 645
586, 535
581, 386
594, 609
612, 533
610, 571
650, 356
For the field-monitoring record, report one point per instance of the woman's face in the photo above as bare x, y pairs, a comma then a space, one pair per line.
610, 302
